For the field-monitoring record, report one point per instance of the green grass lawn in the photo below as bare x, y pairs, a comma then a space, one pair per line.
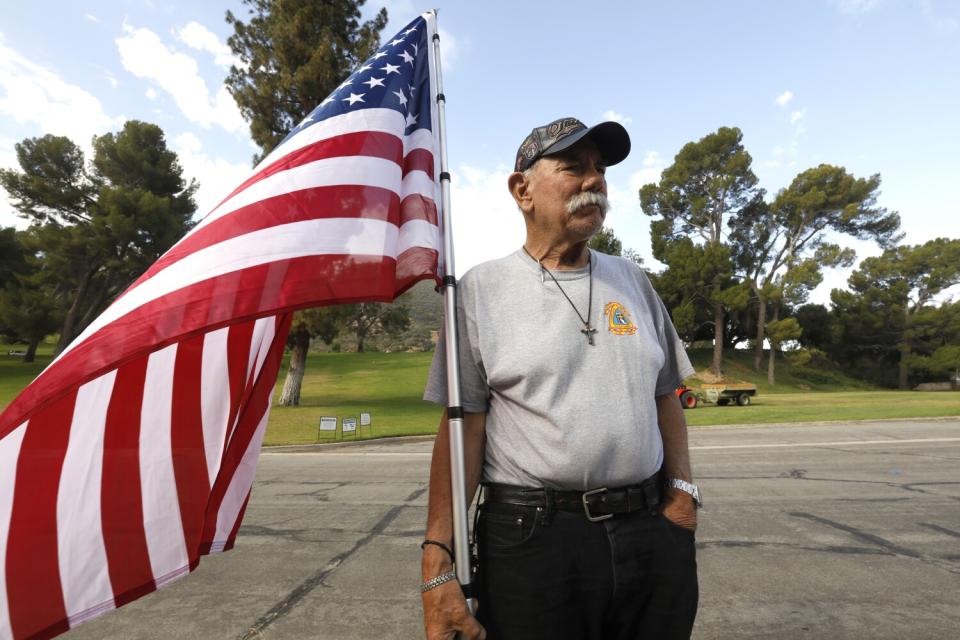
826, 406
14, 374
389, 387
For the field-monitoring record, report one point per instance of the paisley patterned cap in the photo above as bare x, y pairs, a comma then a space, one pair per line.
611, 138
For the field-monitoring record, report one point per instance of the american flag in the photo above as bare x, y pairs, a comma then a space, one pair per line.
134, 452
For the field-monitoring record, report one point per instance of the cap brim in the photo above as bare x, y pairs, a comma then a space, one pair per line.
611, 138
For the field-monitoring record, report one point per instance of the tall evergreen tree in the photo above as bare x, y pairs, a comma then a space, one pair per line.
98, 229
293, 54
606, 241
370, 319
781, 247
709, 182
890, 314
27, 312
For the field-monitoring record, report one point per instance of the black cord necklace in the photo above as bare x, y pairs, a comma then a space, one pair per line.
588, 329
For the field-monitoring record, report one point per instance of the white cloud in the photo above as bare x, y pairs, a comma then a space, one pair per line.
797, 116
449, 49
31, 94
784, 98
145, 56
653, 166
111, 79
197, 36
626, 216
8, 160
610, 114
151, 93
92, 18
857, 6
217, 176
944, 25
486, 221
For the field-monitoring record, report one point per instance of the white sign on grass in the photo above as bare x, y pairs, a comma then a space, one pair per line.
364, 419
349, 424
328, 423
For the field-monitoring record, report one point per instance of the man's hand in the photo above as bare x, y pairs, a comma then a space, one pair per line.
680, 509
445, 613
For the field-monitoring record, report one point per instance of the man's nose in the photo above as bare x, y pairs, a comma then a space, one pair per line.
594, 180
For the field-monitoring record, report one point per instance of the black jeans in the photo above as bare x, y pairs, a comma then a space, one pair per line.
630, 577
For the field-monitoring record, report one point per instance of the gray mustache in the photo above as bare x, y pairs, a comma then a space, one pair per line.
588, 198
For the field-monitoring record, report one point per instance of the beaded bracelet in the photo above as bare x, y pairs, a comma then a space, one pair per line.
441, 545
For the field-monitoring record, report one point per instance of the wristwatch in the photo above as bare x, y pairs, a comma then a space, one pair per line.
686, 487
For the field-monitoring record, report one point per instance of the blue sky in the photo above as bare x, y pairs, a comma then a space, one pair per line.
872, 85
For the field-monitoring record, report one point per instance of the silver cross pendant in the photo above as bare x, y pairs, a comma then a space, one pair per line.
589, 331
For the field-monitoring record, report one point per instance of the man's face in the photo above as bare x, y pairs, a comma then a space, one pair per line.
568, 192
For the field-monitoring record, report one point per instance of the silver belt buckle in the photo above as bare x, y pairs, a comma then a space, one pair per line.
586, 505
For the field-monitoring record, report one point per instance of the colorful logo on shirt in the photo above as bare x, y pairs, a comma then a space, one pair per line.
618, 320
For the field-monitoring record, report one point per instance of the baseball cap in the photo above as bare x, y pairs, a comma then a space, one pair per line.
611, 138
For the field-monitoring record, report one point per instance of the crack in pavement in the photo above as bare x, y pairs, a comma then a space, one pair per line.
417, 493
938, 528
883, 543
283, 607
914, 487
753, 544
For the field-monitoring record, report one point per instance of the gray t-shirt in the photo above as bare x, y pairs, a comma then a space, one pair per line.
560, 412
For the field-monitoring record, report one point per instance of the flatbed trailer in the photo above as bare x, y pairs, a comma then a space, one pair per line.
720, 394
726, 392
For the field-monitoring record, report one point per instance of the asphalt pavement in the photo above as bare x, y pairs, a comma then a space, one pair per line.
841, 530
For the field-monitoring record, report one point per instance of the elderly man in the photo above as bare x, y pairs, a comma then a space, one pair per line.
569, 362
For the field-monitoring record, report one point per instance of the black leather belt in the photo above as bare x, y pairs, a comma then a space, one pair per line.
597, 504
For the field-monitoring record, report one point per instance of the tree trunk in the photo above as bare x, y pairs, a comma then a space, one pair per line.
31, 350
761, 332
290, 396
68, 330
774, 347
771, 364
94, 309
906, 348
716, 365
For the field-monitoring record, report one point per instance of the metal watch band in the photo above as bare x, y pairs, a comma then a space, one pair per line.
433, 583
686, 487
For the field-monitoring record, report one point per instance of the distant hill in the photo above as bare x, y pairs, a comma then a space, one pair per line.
425, 304
426, 316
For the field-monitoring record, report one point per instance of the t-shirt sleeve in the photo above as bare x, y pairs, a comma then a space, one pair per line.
474, 391
676, 364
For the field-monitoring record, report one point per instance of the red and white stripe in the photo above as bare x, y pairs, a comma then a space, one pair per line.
134, 452
118, 487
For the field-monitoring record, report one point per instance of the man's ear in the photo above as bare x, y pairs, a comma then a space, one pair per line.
519, 188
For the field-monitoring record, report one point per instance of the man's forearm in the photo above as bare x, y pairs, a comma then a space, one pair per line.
678, 506
440, 509
673, 432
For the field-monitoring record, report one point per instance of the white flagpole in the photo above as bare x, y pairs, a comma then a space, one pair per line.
458, 480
